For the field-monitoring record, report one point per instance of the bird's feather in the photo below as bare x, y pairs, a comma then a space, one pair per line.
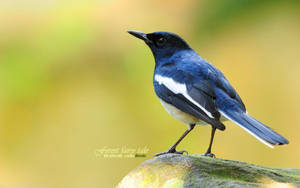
260, 131
181, 88
184, 104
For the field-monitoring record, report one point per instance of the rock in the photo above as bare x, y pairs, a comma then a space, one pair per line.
174, 170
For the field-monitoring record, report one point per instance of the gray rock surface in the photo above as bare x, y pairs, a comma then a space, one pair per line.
174, 170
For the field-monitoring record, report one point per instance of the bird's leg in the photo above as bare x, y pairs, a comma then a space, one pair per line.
208, 152
173, 147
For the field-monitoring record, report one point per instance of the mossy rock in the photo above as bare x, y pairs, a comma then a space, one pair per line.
174, 170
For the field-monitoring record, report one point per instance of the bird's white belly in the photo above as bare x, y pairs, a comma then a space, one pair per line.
184, 117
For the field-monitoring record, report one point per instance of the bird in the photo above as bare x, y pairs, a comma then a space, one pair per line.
195, 92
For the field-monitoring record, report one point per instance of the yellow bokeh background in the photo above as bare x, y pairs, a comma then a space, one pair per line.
73, 81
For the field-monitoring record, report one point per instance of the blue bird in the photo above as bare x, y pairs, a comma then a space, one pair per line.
195, 92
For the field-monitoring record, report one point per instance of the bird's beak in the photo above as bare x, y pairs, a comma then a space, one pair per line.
139, 35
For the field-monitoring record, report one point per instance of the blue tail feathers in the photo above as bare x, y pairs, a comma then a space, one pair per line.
260, 131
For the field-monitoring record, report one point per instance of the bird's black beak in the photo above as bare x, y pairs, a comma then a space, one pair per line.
139, 35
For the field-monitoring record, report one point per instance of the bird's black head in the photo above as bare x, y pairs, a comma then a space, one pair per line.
162, 44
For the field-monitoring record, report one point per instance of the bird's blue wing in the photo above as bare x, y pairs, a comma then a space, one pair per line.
200, 69
188, 93
182, 103
222, 83
202, 92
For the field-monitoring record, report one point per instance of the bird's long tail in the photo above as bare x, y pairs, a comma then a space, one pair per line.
257, 129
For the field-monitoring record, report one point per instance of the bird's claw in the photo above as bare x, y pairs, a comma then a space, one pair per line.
171, 151
209, 155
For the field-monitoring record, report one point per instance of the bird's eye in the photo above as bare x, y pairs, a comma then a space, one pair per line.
161, 41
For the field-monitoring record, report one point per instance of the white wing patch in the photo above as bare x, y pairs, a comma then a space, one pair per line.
178, 88
263, 141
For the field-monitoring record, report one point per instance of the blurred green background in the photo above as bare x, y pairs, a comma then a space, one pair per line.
73, 81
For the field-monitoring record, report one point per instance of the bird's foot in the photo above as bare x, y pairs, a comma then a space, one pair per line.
171, 150
207, 154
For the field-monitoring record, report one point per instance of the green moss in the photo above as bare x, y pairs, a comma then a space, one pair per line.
174, 170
